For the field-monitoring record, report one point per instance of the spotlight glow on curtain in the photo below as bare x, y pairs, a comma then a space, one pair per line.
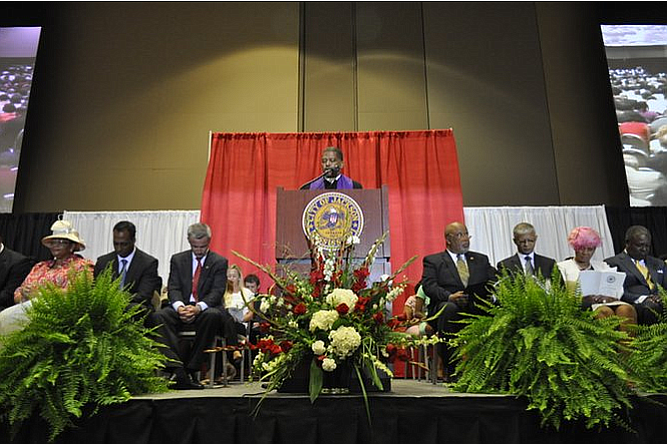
420, 168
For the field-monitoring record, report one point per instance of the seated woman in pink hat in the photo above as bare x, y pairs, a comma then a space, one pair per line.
63, 244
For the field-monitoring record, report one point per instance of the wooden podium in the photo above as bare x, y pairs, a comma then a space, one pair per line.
292, 247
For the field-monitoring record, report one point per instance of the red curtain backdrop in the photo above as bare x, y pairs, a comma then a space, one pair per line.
420, 168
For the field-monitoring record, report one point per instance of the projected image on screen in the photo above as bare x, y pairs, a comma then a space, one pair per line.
18, 49
637, 60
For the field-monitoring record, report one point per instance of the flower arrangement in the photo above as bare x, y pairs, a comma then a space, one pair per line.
332, 318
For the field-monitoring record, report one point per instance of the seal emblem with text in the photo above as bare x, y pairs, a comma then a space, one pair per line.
333, 217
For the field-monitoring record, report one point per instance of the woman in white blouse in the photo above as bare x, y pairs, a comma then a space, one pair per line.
584, 241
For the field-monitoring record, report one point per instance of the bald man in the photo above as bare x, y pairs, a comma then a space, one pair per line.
454, 279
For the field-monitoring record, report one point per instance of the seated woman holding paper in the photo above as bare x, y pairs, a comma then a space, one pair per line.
584, 241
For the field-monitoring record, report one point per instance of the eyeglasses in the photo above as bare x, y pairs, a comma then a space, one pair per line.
461, 235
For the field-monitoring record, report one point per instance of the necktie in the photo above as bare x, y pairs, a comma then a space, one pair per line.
123, 272
195, 281
644, 271
462, 267
529, 267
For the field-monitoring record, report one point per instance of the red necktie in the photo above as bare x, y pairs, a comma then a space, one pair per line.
195, 281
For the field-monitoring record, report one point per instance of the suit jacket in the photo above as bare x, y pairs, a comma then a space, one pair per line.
544, 265
212, 281
635, 285
14, 267
141, 278
441, 277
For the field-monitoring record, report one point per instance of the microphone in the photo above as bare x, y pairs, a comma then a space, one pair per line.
334, 171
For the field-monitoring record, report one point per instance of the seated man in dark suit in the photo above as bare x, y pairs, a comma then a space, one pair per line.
525, 260
137, 269
332, 164
197, 281
14, 267
643, 274
454, 279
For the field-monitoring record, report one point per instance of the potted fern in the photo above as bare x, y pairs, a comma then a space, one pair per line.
537, 343
81, 349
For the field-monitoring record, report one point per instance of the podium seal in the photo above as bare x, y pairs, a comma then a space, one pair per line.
333, 217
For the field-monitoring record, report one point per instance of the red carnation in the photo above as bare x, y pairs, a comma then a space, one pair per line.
402, 355
316, 276
300, 309
342, 309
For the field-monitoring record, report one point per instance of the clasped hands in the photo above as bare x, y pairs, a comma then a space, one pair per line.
188, 313
459, 298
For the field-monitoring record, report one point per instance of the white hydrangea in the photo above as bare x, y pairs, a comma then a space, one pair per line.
328, 365
323, 320
342, 296
344, 341
318, 347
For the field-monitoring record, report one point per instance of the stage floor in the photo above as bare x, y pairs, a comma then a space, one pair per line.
399, 388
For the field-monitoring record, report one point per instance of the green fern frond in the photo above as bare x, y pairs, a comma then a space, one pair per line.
81, 349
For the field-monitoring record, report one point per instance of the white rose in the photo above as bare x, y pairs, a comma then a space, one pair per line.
318, 347
328, 365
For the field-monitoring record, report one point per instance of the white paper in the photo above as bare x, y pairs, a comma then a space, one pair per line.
601, 283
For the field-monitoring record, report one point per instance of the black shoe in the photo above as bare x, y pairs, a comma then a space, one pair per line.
187, 384
184, 381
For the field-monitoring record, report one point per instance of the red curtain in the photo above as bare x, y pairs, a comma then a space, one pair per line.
420, 168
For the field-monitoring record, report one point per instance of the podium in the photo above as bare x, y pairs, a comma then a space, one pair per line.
292, 246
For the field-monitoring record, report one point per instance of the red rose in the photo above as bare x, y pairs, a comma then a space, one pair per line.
291, 289
285, 346
316, 292
275, 349
379, 317
264, 327
342, 309
393, 323
300, 309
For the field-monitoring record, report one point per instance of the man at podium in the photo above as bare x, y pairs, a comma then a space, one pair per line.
331, 177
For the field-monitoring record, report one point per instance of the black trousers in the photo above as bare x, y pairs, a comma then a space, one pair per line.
206, 325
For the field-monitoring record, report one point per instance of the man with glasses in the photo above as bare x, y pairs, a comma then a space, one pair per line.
453, 280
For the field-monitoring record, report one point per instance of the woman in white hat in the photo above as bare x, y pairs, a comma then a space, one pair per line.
63, 244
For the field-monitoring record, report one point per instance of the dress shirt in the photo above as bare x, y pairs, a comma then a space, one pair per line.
203, 305
127, 258
522, 258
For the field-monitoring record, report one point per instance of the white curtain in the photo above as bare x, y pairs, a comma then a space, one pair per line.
491, 229
163, 233
159, 233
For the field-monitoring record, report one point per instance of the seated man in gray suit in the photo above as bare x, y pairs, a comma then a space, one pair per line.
643, 274
197, 281
525, 260
14, 267
137, 269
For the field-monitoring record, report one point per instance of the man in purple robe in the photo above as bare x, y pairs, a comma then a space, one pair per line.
332, 179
